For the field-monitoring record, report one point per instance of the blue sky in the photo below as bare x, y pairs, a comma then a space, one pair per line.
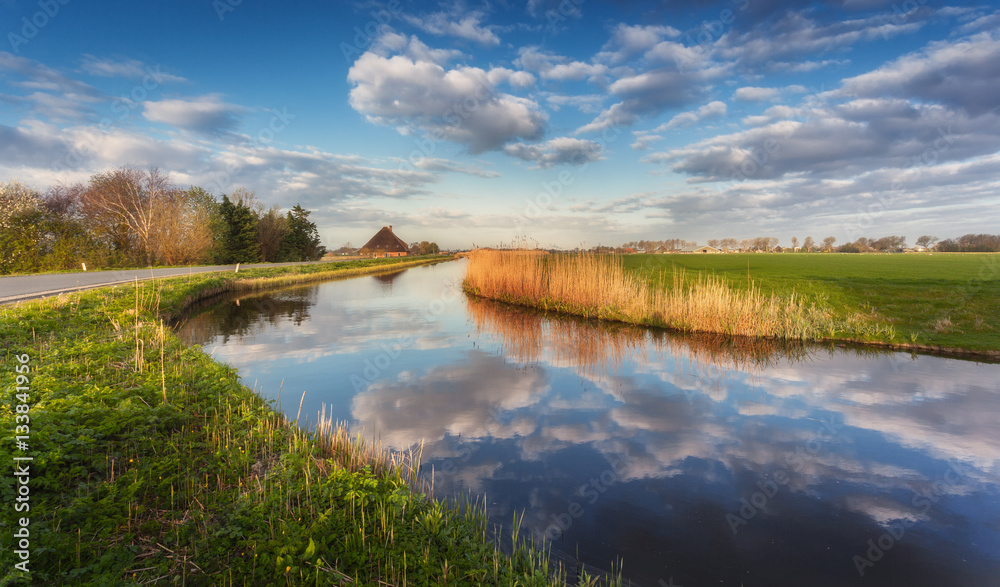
570, 123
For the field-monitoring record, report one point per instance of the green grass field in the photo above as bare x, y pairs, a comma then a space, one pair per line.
948, 300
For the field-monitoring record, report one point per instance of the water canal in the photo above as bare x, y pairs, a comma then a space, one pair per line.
690, 460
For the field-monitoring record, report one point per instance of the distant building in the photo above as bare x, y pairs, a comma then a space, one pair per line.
385, 243
705, 249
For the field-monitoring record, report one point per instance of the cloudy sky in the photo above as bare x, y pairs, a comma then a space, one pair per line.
571, 123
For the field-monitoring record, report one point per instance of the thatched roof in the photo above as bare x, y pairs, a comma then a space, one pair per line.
386, 241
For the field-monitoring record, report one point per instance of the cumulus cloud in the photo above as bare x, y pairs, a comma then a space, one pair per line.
962, 74
714, 109
755, 94
550, 66
466, 25
517, 79
459, 104
841, 141
627, 41
644, 141
204, 114
558, 151
796, 34
651, 92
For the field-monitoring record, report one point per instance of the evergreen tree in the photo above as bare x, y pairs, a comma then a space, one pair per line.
239, 240
302, 240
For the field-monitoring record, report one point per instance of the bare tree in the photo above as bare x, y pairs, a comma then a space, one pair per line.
248, 198
126, 200
828, 243
182, 228
745, 244
795, 242
714, 243
271, 230
772, 242
926, 241
808, 244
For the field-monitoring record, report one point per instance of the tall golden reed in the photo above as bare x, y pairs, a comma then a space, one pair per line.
599, 286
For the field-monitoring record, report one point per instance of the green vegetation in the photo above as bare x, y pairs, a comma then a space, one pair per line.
923, 300
127, 218
153, 464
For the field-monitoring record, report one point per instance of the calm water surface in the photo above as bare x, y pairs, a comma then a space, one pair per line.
692, 460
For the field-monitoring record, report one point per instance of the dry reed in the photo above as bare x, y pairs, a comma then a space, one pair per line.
355, 453
598, 286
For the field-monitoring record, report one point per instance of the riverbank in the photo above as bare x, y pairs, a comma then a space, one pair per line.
151, 463
943, 304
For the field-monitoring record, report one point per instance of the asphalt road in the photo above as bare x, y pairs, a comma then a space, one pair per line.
26, 287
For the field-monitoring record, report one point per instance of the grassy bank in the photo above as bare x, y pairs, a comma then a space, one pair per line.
926, 302
929, 301
152, 464
599, 286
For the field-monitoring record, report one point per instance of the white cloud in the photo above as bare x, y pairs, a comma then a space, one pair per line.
557, 151
960, 74
628, 41
128, 68
644, 141
714, 109
204, 114
465, 25
436, 164
517, 79
550, 66
755, 94
649, 93
459, 104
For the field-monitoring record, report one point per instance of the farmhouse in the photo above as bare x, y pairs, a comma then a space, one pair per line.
705, 249
385, 243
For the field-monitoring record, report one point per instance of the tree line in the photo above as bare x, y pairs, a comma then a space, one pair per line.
969, 243
128, 217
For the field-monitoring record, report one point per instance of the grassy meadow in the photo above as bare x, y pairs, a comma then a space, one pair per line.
153, 464
929, 301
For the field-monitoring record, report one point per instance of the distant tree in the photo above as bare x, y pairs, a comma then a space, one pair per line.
772, 242
746, 244
979, 243
414, 249
795, 242
428, 248
888, 243
808, 244
948, 245
828, 243
926, 241
714, 243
